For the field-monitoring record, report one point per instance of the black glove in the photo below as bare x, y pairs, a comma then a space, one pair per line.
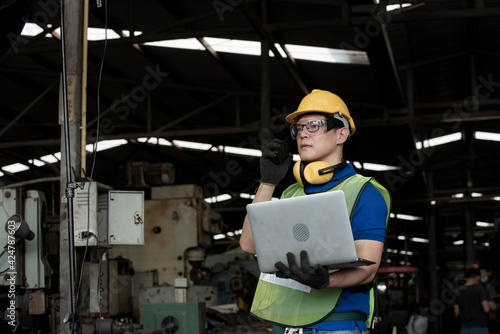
271, 172
316, 277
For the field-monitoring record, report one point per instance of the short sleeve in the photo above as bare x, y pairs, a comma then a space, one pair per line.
370, 215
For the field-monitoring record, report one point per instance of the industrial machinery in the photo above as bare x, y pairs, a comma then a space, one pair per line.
146, 265
24, 270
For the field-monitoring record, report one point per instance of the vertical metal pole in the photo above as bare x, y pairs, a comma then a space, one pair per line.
433, 277
265, 81
84, 88
469, 236
70, 149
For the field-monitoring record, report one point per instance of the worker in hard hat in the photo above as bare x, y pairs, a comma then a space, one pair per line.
340, 300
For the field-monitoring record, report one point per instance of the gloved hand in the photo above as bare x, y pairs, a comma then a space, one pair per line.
316, 277
269, 171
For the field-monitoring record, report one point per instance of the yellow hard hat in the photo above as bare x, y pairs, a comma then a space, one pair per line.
323, 101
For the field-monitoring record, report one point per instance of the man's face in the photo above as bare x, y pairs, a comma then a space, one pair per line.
319, 145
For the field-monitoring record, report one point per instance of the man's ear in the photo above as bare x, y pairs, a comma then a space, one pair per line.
343, 135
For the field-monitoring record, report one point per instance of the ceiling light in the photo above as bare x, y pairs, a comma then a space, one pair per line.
15, 168
439, 140
476, 195
496, 198
458, 242
357, 164
219, 198
192, 145
487, 136
421, 240
401, 237
390, 8
433, 202
485, 224
378, 167
460, 195
407, 217
219, 236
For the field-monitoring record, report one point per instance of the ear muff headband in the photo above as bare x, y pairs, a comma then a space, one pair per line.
317, 172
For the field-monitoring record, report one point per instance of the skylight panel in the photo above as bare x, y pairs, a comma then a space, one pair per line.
106, 145
51, 158
31, 29
253, 48
99, 34
36, 162
186, 43
242, 151
327, 55
234, 46
154, 141
15, 168
192, 145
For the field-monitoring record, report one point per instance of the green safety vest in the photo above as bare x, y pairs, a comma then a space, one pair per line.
294, 308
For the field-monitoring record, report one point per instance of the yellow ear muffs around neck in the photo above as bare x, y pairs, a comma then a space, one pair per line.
317, 172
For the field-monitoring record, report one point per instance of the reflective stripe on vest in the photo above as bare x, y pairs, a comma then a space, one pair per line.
293, 308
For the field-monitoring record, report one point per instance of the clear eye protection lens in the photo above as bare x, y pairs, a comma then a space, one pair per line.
311, 126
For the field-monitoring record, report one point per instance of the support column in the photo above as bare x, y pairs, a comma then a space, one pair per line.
469, 236
73, 25
433, 276
265, 82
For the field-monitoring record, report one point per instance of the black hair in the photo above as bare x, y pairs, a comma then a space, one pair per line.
472, 272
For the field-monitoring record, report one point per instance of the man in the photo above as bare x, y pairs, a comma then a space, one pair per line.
472, 304
339, 300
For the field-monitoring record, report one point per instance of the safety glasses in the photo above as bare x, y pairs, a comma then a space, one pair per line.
312, 126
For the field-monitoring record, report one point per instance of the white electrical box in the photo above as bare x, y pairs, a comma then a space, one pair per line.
90, 214
126, 217
108, 217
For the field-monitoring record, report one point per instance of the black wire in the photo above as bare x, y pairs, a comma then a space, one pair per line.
94, 154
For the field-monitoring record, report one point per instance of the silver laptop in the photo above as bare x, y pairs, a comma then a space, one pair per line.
318, 224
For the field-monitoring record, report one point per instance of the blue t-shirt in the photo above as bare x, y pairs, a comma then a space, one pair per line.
368, 223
